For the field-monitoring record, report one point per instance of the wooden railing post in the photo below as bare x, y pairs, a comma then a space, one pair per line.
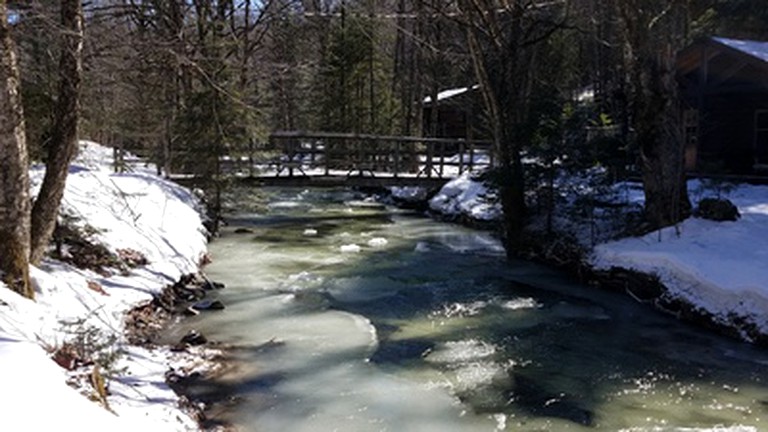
375, 153
251, 147
442, 159
430, 154
397, 158
326, 156
471, 155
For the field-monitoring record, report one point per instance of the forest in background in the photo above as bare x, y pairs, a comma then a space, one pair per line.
186, 74
198, 79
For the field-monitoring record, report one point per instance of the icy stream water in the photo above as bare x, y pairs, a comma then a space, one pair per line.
348, 316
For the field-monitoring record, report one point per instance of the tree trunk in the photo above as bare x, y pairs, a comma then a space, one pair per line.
503, 76
14, 176
63, 146
661, 144
653, 35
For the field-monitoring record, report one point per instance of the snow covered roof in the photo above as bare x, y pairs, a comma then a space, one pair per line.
755, 49
447, 94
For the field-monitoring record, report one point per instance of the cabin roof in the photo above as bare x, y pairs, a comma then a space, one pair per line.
757, 49
717, 65
450, 93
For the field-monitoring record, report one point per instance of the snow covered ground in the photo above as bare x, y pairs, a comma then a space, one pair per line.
464, 196
136, 211
719, 267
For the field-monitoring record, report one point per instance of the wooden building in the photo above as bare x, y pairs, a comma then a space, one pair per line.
457, 114
724, 83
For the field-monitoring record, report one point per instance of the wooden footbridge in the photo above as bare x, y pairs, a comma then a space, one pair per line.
293, 158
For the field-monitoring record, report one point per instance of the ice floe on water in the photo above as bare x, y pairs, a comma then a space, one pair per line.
378, 242
363, 289
470, 376
302, 281
285, 204
460, 309
350, 248
467, 309
521, 303
501, 421
422, 247
461, 351
469, 365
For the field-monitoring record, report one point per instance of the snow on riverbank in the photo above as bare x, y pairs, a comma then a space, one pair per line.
467, 197
718, 267
136, 211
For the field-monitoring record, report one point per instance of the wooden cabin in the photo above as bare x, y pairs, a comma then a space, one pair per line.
457, 113
724, 83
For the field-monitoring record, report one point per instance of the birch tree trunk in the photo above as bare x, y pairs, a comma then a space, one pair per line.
14, 177
63, 145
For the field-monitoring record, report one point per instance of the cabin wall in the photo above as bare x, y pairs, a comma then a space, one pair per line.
727, 133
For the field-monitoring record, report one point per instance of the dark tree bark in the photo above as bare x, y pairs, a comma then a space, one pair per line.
654, 33
63, 145
14, 180
503, 44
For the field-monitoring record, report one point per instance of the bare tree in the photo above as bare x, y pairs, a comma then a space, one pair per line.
63, 145
14, 181
503, 39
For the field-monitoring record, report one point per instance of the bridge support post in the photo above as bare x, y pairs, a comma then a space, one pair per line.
397, 159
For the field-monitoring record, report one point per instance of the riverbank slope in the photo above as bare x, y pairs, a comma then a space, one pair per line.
711, 272
138, 234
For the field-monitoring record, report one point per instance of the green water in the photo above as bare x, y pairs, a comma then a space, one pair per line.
348, 316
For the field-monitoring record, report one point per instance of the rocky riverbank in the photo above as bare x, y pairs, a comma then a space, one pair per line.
69, 355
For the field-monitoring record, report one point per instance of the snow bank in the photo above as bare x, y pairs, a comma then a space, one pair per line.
467, 197
719, 267
137, 211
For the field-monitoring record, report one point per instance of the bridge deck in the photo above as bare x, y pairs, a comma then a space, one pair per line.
296, 158
323, 181
349, 181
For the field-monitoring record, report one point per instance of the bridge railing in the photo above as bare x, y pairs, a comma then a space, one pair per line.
365, 153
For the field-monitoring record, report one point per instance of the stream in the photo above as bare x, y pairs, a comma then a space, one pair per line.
346, 315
